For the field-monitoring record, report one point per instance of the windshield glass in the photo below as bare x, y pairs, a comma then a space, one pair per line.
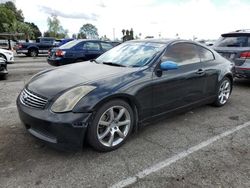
134, 54
233, 41
70, 44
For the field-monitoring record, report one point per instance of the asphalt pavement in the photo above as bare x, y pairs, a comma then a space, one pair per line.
205, 147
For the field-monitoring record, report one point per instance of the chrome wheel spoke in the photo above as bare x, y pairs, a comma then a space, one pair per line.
121, 112
111, 139
121, 123
104, 123
111, 113
104, 134
120, 133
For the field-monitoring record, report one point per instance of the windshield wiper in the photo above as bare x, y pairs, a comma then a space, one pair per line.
113, 64
93, 60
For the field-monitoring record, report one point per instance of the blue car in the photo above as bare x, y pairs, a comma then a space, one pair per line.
77, 51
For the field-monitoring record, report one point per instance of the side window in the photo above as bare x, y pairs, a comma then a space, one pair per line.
205, 54
182, 53
106, 46
91, 46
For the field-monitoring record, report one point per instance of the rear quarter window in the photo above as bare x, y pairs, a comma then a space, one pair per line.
233, 41
205, 54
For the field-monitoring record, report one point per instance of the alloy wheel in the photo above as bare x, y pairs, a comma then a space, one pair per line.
113, 126
224, 91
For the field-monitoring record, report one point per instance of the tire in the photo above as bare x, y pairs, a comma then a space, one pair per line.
105, 126
3, 77
33, 53
223, 92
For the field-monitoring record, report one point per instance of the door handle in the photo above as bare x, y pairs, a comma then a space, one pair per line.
200, 71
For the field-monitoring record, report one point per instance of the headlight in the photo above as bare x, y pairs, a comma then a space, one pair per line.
10, 53
67, 101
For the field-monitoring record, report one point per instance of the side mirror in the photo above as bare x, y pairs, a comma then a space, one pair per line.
168, 65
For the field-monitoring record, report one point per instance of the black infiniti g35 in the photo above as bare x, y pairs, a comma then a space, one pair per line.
102, 101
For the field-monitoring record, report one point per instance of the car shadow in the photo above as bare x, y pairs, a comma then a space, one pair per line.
242, 83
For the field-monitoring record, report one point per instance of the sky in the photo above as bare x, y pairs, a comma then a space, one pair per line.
204, 19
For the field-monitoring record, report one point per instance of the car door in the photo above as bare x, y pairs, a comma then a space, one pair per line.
177, 88
209, 65
93, 50
79, 52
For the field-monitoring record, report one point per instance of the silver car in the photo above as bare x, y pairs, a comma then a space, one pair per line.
235, 46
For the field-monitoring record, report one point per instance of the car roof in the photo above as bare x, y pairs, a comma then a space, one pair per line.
241, 32
163, 41
91, 40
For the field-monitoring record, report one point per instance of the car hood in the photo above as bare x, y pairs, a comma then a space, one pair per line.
5, 51
51, 82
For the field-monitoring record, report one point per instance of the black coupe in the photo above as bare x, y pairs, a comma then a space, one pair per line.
104, 100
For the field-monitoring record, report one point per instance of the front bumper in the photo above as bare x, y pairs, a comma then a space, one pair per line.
64, 131
10, 59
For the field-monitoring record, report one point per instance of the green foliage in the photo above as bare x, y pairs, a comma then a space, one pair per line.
7, 18
88, 31
12, 21
36, 32
18, 13
55, 29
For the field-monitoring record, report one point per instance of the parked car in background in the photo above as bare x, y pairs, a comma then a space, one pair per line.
115, 43
104, 100
235, 46
8, 55
41, 46
77, 50
3, 68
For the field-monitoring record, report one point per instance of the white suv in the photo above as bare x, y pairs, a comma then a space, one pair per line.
7, 55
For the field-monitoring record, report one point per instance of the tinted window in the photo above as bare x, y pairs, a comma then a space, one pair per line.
91, 46
70, 44
205, 54
182, 53
232, 41
106, 46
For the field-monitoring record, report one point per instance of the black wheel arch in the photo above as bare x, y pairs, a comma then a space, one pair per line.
3, 56
125, 97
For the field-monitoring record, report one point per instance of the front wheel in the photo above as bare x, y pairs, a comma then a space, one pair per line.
224, 92
111, 126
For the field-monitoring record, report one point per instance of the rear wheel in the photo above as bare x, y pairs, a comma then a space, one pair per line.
33, 53
111, 126
224, 92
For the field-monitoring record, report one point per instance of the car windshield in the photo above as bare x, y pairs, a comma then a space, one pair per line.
232, 41
131, 54
70, 44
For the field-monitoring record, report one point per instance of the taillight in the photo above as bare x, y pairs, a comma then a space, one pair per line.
60, 53
245, 55
20, 46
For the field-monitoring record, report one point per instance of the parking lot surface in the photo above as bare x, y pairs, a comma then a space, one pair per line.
222, 162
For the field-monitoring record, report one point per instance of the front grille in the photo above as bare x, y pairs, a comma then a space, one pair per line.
32, 100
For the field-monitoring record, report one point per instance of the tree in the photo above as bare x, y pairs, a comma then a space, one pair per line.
55, 28
36, 31
81, 36
18, 13
89, 31
7, 18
